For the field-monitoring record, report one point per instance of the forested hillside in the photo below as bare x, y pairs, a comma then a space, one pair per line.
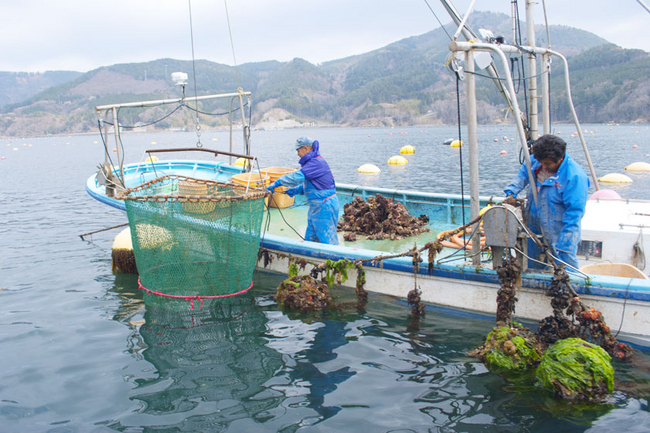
404, 83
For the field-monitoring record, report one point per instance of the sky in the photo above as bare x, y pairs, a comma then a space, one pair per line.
82, 35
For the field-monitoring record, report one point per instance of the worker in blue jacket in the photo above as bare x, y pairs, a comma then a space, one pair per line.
562, 187
315, 181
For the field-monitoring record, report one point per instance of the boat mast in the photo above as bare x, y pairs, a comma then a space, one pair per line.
532, 71
472, 138
471, 35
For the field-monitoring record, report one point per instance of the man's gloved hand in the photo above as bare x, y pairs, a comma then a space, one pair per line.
291, 191
510, 199
273, 186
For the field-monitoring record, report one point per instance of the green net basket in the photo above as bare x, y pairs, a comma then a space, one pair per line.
194, 238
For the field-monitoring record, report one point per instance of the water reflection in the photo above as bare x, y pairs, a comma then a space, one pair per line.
211, 363
309, 345
245, 365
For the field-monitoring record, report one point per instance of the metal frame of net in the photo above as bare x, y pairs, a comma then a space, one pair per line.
194, 238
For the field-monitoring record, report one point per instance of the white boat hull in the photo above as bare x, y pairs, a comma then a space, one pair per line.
628, 316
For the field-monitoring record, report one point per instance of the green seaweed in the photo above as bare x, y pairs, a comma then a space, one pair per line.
524, 355
337, 271
576, 369
293, 269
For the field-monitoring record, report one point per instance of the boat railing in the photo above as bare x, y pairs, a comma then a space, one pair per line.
103, 117
500, 50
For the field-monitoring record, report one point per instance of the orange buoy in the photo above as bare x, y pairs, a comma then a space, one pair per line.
503, 152
456, 241
460, 242
446, 243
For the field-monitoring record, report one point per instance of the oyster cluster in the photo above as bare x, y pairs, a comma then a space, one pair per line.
380, 218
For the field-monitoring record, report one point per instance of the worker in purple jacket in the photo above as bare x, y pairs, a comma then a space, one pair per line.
315, 181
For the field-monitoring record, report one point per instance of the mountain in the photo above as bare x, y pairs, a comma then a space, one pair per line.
403, 83
18, 86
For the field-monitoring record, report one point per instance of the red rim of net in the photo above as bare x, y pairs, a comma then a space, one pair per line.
191, 298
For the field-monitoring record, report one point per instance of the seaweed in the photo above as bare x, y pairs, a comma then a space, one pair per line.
577, 370
510, 347
304, 293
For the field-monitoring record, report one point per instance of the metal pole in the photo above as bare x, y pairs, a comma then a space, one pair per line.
107, 160
461, 25
567, 83
532, 70
470, 102
471, 35
467, 46
168, 101
546, 103
118, 148
230, 119
247, 151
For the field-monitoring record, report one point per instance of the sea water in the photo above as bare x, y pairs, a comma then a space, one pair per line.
81, 352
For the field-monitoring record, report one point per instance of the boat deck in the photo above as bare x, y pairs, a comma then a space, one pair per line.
285, 221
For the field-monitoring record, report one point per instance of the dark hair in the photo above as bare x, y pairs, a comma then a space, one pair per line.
549, 146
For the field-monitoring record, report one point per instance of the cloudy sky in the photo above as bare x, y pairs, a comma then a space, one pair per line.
81, 35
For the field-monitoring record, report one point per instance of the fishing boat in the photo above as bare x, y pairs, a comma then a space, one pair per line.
611, 252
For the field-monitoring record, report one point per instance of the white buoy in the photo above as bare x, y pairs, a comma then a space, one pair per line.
615, 178
638, 166
397, 160
369, 169
122, 257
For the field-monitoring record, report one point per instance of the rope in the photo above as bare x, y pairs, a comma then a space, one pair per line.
620, 325
153, 122
108, 155
191, 298
439, 22
250, 195
520, 79
518, 44
232, 44
548, 32
196, 96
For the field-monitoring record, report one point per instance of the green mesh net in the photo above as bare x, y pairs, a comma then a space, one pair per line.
194, 238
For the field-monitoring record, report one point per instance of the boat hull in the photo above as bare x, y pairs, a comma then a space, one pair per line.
625, 302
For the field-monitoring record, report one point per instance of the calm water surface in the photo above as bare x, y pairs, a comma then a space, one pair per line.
81, 352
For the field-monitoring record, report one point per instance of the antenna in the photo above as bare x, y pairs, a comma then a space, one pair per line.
179, 78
